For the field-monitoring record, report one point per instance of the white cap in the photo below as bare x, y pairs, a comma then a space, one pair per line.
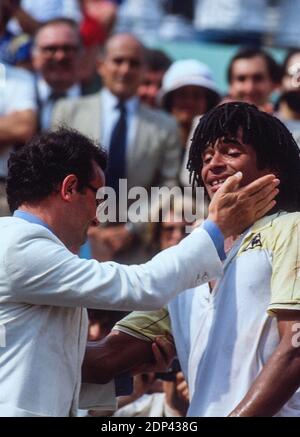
187, 72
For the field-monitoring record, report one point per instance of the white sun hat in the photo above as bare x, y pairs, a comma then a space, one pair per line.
187, 72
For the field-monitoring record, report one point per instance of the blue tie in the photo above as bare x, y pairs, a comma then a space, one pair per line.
116, 167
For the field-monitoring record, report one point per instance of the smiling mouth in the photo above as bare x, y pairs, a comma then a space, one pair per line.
217, 182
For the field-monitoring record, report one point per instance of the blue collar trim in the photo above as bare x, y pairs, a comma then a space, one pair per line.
31, 218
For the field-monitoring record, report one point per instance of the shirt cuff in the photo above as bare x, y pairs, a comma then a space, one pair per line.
217, 237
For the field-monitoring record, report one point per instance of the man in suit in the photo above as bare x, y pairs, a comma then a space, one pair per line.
151, 136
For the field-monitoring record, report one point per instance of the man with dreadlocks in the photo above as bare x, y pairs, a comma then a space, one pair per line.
237, 340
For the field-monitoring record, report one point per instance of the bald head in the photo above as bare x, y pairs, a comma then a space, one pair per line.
122, 66
121, 39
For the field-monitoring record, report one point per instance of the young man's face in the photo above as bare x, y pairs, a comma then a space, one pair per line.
150, 86
226, 157
251, 81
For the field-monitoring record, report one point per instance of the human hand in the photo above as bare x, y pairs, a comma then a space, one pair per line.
142, 383
164, 351
103, 12
182, 387
234, 209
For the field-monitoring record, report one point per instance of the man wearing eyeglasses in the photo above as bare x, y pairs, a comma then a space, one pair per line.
55, 58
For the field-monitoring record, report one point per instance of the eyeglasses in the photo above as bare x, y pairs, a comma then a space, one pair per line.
95, 190
68, 49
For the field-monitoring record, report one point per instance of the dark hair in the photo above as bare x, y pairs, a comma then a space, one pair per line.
292, 99
157, 60
36, 170
274, 145
249, 53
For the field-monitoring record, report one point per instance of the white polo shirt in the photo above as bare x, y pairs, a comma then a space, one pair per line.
225, 337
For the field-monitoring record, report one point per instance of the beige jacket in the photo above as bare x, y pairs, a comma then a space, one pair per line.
153, 159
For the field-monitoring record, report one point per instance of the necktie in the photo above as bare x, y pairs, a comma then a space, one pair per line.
116, 167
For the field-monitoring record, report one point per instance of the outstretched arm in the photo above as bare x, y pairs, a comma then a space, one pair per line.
119, 352
116, 353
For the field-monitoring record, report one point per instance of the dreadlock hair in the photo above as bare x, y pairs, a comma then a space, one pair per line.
274, 145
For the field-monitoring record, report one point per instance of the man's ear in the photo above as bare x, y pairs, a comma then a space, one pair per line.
69, 187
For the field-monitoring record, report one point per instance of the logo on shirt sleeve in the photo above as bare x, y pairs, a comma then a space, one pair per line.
254, 243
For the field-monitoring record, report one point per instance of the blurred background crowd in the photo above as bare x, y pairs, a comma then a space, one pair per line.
136, 75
